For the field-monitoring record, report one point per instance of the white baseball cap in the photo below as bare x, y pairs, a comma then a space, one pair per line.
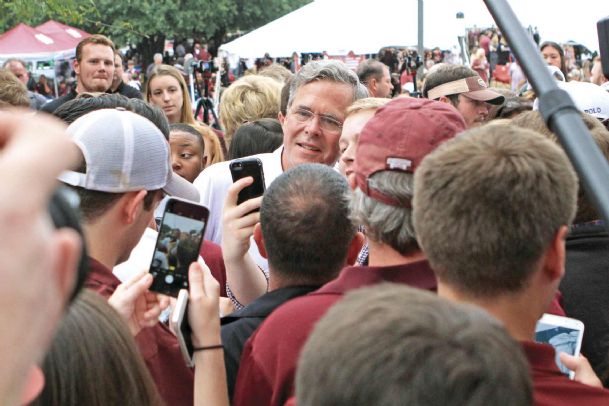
124, 152
588, 98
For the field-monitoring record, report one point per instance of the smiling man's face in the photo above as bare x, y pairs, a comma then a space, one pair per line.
305, 141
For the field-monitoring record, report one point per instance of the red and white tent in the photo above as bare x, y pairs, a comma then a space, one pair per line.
63, 32
55, 40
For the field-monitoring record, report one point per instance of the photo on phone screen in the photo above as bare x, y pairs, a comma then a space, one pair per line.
177, 246
242, 168
179, 324
563, 333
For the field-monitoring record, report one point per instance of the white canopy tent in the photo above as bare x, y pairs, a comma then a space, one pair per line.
364, 26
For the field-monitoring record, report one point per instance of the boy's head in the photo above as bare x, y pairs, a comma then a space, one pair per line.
490, 205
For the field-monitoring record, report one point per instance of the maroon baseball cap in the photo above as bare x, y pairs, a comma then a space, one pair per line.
399, 136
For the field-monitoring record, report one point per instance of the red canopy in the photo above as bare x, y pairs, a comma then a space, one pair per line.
63, 32
55, 39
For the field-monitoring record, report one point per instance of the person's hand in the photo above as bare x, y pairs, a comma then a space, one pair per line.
203, 306
583, 371
37, 263
237, 224
139, 307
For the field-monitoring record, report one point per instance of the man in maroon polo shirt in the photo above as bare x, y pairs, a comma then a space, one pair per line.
491, 212
390, 147
126, 169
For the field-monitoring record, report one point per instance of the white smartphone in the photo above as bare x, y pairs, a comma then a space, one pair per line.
179, 324
564, 334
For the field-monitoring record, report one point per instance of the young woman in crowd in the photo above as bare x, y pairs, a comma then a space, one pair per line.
554, 55
167, 89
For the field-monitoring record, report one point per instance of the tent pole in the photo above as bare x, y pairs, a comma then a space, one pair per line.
557, 109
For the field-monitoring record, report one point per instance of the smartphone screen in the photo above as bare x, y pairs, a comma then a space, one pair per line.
562, 333
179, 323
242, 168
177, 246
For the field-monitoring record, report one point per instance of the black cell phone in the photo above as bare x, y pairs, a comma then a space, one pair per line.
177, 245
179, 323
244, 167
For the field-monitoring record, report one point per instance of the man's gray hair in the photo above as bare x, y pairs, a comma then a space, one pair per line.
387, 224
335, 71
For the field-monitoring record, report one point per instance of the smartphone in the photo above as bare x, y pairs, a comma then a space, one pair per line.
244, 167
177, 245
564, 334
179, 324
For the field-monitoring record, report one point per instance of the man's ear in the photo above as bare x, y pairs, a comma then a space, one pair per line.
355, 247
76, 67
554, 257
260, 240
131, 204
280, 117
33, 385
372, 85
445, 99
204, 161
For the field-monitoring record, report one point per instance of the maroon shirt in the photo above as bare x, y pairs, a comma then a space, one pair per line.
268, 363
158, 346
551, 387
212, 255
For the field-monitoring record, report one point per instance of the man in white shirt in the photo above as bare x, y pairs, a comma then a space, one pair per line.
319, 96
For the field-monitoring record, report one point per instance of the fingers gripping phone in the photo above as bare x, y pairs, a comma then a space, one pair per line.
242, 168
564, 334
177, 246
179, 324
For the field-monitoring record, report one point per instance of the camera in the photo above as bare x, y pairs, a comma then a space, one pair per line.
204, 67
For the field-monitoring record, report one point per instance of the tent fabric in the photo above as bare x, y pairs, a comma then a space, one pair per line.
53, 41
64, 32
340, 26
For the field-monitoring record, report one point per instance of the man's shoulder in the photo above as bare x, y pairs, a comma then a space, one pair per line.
297, 315
52, 105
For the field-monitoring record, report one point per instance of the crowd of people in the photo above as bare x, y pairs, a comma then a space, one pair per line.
402, 252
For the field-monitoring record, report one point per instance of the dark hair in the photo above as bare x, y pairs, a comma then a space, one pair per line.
370, 68
561, 52
93, 360
444, 73
94, 204
86, 103
305, 224
256, 137
418, 348
187, 128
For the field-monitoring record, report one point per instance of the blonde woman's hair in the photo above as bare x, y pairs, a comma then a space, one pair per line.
213, 147
248, 99
369, 103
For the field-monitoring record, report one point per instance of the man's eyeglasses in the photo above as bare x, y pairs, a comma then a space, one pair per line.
326, 123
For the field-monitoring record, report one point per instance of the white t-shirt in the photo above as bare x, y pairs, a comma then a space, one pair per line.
213, 184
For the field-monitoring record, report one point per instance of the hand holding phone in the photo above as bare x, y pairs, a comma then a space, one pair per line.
244, 167
177, 246
199, 309
564, 334
238, 222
